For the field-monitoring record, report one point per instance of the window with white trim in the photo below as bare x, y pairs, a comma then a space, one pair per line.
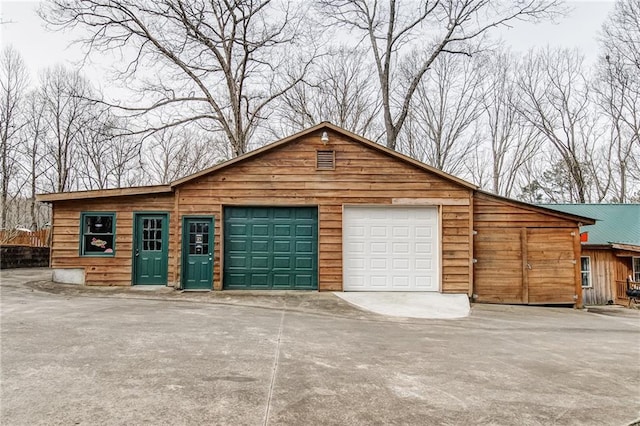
585, 271
636, 269
97, 234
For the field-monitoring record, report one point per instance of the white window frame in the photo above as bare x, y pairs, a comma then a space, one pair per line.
635, 265
587, 271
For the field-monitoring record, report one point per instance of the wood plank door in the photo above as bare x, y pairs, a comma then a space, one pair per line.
197, 253
498, 271
550, 267
150, 248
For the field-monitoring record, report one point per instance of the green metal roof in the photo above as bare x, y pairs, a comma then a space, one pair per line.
616, 223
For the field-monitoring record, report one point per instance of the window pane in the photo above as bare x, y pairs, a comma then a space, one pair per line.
585, 264
585, 280
98, 225
636, 269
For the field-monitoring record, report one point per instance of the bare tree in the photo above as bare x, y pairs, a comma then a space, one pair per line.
174, 153
105, 153
13, 81
33, 141
621, 33
125, 161
512, 143
443, 121
617, 86
424, 29
221, 64
67, 113
338, 89
556, 102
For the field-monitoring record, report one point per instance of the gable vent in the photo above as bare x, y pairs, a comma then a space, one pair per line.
325, 160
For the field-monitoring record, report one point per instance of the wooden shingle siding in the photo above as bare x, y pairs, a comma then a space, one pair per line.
287, 176
116, 270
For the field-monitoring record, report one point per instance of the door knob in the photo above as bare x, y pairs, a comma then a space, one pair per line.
137, 252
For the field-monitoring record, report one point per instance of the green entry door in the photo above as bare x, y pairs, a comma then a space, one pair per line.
150, 249
271, 248
197, 253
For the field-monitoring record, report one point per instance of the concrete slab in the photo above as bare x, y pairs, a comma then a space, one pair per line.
410, 305
73, 355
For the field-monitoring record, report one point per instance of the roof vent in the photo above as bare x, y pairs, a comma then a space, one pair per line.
325, 160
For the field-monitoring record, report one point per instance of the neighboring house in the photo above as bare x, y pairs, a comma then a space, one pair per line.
610, 250
324, 210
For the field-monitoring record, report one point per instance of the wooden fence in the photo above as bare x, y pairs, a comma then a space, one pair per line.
13, 237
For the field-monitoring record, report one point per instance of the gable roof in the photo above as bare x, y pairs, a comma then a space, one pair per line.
319, 128
616, 223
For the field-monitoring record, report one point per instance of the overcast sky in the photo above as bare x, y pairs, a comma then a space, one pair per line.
41, 48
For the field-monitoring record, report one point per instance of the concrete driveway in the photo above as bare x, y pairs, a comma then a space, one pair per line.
76, 356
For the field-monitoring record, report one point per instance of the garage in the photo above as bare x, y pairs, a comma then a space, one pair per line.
328, 210
271, 248
390, 248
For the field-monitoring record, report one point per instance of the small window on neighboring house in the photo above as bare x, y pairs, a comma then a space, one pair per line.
636, 269
326, 160
585, 269
97, 234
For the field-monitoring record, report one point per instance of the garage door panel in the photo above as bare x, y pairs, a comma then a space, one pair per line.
237, 261
260, 230
280, 246
304, 230
281, 262
304, 247
258, 262
255, 246
271, 247
400, 248
401, 232
390, 248
283, 230
400, 264
304, 263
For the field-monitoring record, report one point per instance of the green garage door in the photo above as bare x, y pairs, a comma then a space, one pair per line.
271, 248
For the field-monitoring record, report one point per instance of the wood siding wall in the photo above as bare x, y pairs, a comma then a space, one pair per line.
606, 269
287, 176
65, 244
523, 256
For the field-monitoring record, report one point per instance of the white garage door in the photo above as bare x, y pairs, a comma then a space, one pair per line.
390, 248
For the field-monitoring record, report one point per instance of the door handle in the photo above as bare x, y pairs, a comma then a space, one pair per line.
528, 266
137, 252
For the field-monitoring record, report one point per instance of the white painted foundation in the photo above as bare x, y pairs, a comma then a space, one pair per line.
68, 276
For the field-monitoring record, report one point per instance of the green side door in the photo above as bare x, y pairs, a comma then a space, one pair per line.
150, 248
197, 253
271, 248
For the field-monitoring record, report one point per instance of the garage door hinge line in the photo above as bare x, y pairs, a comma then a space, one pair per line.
275, 368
